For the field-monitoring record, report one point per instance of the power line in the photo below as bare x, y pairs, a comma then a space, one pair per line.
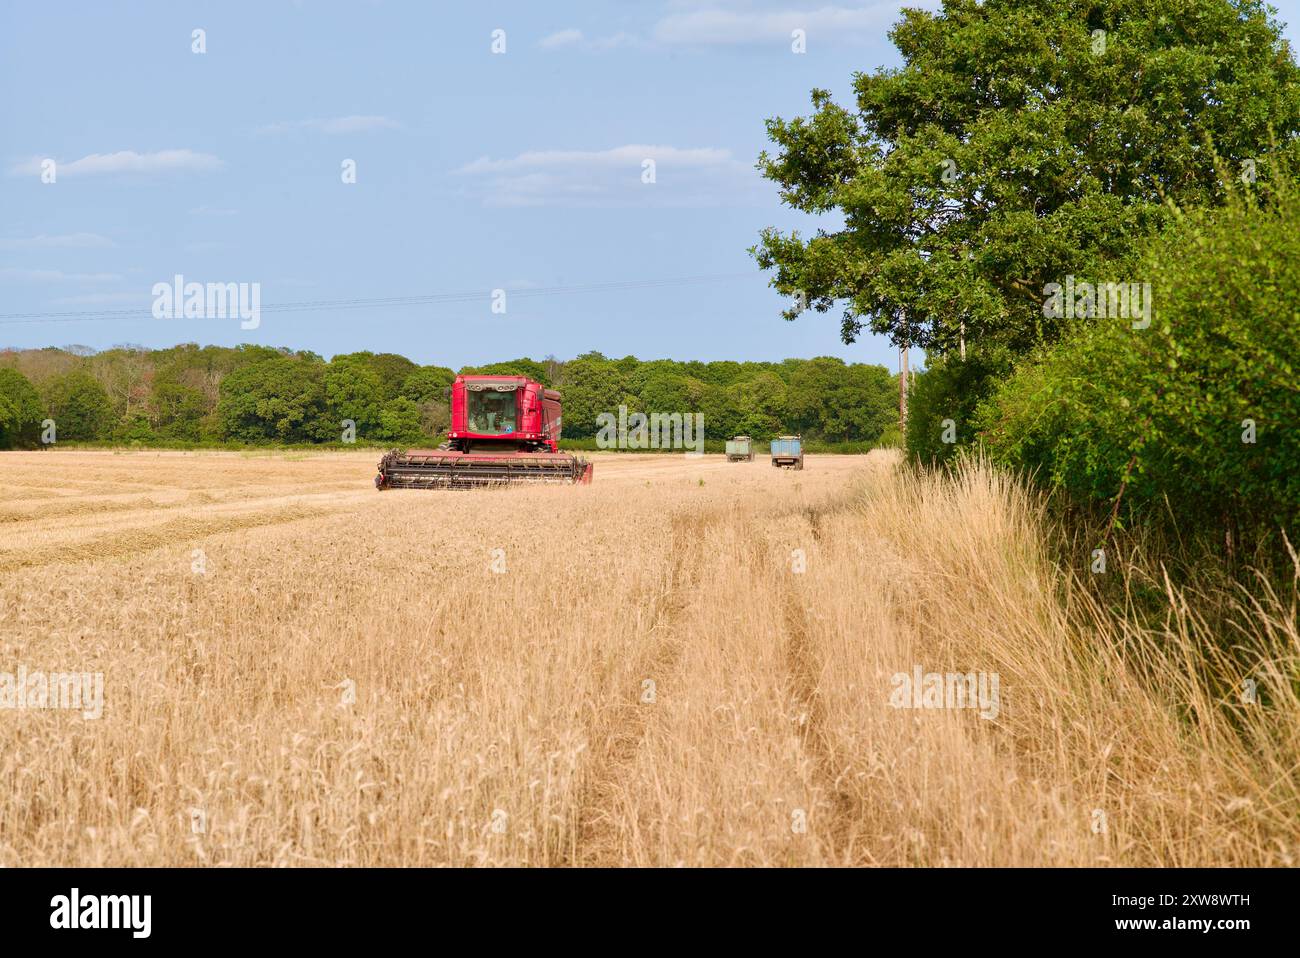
93, 315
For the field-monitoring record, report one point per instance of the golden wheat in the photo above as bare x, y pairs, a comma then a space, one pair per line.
689, 662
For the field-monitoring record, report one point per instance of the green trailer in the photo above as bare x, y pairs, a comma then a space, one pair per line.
740, 449
787, 452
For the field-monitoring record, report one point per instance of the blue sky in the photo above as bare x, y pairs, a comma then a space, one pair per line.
474, 170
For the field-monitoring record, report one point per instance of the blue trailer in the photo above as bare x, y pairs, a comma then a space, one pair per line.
787, 452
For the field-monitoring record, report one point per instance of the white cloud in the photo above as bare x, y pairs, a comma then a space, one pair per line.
334, 126
560, 38
574, 38
60, 241
619, 156
126, 161
55, 276
704, 176
723, 23
715, 26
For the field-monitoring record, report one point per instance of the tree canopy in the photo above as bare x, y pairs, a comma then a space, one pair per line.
78, 405
20, 409
1020, 141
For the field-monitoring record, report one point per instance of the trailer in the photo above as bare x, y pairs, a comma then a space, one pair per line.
740, 449
787, 452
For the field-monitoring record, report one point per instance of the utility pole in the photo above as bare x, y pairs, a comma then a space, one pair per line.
902, 375
902, 388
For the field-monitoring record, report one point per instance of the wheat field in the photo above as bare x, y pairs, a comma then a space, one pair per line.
689, 662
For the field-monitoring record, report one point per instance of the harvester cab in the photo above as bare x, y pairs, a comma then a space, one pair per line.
504, 430
491, 413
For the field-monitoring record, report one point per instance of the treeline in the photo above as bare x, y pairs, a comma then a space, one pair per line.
214, 395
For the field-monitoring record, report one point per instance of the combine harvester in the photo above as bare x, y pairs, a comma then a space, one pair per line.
504, 430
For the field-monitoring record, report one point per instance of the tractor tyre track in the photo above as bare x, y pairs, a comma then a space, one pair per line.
598, 839
804, 667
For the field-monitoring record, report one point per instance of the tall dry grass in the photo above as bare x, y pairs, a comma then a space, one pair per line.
648, 682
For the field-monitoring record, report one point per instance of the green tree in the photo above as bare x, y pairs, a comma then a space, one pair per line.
663, 391
273, 400
400, 422
514, 367
592, 385
761, 406
829, 400
79, 406
721, 372
722, 416
391, 370
21, 410
1020, 141
428, 384
809, 394
427, 387
178, 408
135, 430
352, 392
951, 388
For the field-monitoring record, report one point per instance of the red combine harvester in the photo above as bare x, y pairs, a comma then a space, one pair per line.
504, 429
